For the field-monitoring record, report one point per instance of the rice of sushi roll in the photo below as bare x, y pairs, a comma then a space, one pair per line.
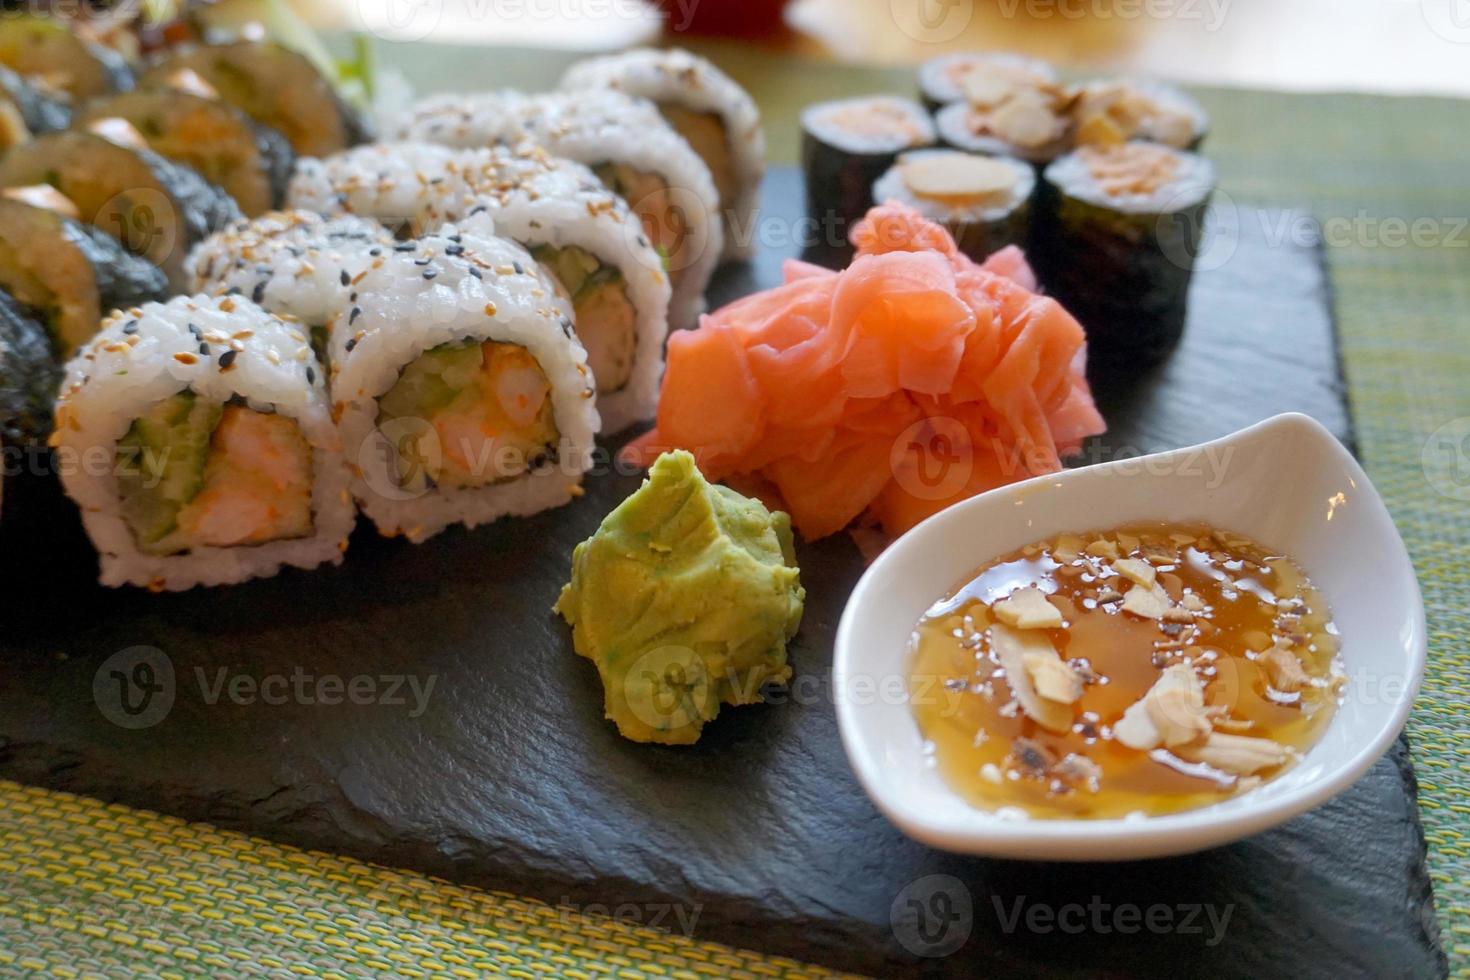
848, 144
27, 111
408, 188
226, 463
979, 76
156, 208
460, 388
46, 53
250, 162
633, 151
1118, 110
292, 263
709, 109
272, 84
1117, 232
70, 274
28, 376
985, 202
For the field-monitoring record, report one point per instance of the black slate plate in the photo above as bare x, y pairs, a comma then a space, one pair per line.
758, 835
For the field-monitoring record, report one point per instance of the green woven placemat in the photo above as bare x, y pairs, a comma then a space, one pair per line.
89, 889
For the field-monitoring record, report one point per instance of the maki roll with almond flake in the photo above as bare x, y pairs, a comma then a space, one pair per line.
460, 388
293, 263
632, 149
275, 86
68, 273
847, 145
250, 162
157, 209
709, 109
979, 76
226, 464
1117, 232
984, 202
1117, 110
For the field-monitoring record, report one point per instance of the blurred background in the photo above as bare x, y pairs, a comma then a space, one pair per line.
1399, 46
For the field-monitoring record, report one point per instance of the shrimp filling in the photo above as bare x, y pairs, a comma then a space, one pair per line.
195, 474
468, 414
606, 320
664, 220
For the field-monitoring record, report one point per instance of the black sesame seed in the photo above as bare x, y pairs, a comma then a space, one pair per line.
375, 252
405, 247
476, 273
131, 327
203, 348
456, 239
351, 343
520, 269
346, 279
478, 209
430, 273
258, 293
566, 326
194, 329
227, 358
352, 317
453, 249
310, 375
423, 261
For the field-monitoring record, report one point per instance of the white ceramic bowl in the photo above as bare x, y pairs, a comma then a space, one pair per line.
1286, 482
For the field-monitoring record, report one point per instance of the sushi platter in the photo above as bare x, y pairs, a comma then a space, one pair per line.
480, 497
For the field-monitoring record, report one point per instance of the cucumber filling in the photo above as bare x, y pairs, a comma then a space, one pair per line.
606, 321
193, 473
468, 414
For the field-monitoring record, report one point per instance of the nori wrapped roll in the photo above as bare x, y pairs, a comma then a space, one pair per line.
984, 202
26, 111
978, 76
69, 274
1118, 110
1117, 232
36, 47
157, 209
846, 145
248, 160
29, 377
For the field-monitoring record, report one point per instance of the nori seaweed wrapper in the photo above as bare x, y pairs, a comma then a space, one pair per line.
1123, 272
29, 377
124, 280
40, 112
839, 181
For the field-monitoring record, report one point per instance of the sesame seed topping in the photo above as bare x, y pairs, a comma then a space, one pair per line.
227, 359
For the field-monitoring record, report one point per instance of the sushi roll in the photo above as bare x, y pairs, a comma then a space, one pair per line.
250, 162
582, 234
1117, 232
979, 76
984, 202
292, 263
156, 208
1118, 110
27, 111
633, 151
275, 86
1031, 123
848, 144
68, 273
29, 376
44, 52
461, 390
709, 109
226, 463
408, 188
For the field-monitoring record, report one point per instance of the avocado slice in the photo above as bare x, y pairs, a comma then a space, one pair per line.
161, 465
431, 381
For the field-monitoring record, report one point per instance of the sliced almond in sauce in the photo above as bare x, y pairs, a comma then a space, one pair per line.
957, 175
1172, 707
1052, 678
1284, 670
1028, 609
1011, 647
1067, 548
1239, 754
1103, 548
1192, 602
1136, 570
1148, 603
44, 196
